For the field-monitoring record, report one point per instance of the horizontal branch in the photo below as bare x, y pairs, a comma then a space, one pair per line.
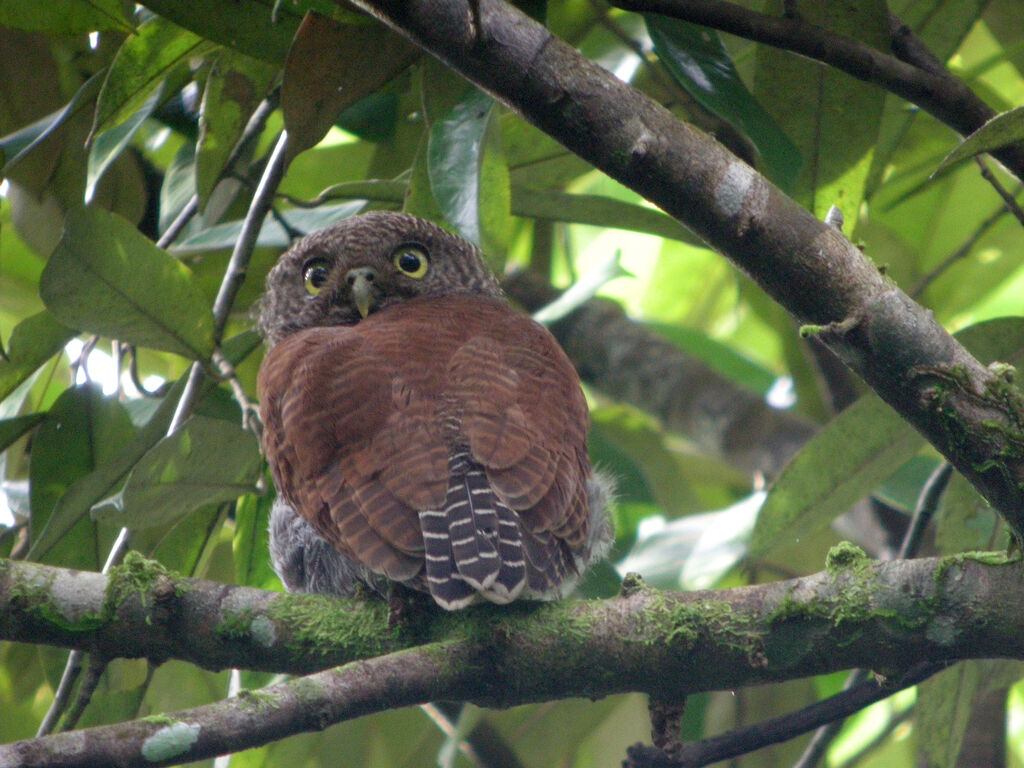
974, 416
857, 613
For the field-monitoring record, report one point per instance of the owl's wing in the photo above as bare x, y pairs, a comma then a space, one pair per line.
334, 442
526, 420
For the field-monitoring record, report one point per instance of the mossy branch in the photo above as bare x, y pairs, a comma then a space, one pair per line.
856, 613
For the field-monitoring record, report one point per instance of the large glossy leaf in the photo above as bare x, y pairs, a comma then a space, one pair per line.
598, 211
157, 51
83, 432
105, 277
206, 461
698, 61
468, 174
328, 70
856, 451
852, 454
33, 341
833, 118
721, 357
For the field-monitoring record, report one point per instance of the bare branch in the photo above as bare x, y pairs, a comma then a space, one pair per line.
974, 416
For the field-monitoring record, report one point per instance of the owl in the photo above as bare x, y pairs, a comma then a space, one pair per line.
420, 430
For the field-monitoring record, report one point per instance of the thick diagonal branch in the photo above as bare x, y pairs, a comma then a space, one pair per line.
972, 415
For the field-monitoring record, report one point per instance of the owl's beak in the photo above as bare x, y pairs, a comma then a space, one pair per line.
361, 283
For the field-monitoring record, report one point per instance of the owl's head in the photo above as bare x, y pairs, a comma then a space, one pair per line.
341, 274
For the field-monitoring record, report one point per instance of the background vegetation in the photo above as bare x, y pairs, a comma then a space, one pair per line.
136, 141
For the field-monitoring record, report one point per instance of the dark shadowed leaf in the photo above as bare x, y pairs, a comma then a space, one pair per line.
204, 462
64, 17
12, 429
252, 558
699, 62
105, 277
328, 70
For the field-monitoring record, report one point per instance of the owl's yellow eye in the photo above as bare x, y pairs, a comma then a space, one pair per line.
411, 260
314, 273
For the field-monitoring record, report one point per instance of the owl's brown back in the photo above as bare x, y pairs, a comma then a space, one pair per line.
439, 442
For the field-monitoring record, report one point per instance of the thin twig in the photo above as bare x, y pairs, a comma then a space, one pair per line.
743, 740
93, 672
222, 306
958, 254
1008, 199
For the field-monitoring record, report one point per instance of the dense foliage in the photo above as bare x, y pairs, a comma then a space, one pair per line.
135, 143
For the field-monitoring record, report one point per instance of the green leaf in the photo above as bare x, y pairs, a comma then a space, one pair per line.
12, 429
697, 60
598, 211
843, 463
251, 27
234, 88
64, 17
107, 146
1001, 131
158, 51
20, 144
833, 118
719, 356
33, 341
82, 432
858, 450
272, 235
204, 462
468, 174
79, 498
105, 277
